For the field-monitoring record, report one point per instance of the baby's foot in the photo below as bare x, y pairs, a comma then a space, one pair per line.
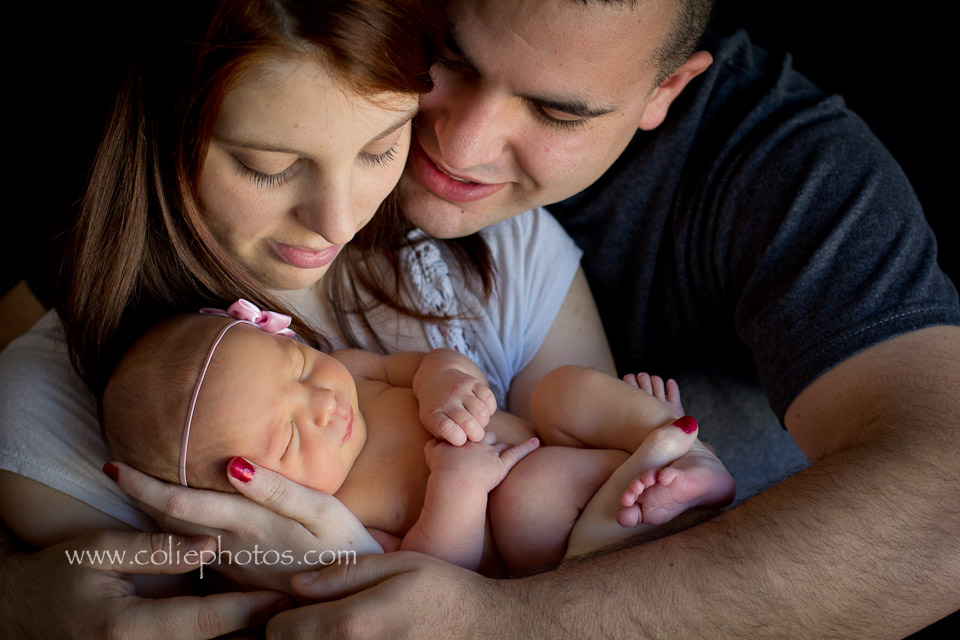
666, 392
696, 479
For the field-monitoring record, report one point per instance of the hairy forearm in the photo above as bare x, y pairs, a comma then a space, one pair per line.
861, 544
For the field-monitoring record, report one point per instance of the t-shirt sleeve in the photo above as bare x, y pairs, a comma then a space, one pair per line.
536, 261
821, 248
49, 431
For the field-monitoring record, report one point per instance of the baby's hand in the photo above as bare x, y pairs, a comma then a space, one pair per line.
485, 463
456, 407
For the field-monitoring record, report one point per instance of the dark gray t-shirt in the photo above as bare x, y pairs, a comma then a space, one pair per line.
762, 231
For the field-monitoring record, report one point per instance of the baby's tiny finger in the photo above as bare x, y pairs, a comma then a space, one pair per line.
513, 455
486, 396
446, 429
478, 409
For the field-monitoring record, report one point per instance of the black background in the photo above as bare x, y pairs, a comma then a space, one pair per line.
893, 68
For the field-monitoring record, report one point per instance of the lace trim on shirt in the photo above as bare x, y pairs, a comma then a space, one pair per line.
431, 284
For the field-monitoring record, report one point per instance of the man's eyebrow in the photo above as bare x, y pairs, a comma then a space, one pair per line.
262, 145
575, 106
450, 40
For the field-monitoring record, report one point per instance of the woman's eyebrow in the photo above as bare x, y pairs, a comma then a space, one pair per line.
258, 145
262, 145
404, 118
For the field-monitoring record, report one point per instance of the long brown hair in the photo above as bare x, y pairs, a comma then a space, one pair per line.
140, 250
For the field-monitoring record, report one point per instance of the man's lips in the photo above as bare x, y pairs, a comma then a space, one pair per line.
304, 258
445, 185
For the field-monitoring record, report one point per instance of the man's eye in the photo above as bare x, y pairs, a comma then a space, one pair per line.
559, 124
454, 65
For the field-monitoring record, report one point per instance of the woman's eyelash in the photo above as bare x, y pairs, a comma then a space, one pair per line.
263, 180
381, 159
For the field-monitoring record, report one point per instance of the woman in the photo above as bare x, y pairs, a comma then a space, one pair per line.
238, 161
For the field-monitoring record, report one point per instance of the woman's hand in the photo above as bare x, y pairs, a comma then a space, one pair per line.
275, 529
45, 595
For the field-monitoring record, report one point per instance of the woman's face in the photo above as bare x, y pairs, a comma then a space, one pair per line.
298, 162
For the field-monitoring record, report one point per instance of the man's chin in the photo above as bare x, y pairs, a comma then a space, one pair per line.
439, 218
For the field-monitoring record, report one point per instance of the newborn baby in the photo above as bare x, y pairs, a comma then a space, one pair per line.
197, 390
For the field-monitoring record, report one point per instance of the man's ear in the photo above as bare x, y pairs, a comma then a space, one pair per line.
669, 89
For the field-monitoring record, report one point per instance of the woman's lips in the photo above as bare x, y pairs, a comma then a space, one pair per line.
446, 186
305, 258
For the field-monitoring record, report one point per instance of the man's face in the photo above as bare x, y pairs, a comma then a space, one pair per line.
534, 100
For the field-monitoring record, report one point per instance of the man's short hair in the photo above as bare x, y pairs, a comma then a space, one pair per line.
692, 18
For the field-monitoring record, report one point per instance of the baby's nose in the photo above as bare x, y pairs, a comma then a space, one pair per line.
323, 405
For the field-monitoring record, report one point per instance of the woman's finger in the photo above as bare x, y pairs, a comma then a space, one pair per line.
141, 553
318, 512
181, 509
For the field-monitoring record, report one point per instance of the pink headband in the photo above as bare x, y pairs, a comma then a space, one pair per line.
243, 312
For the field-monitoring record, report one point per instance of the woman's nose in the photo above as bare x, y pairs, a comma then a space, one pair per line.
328, 210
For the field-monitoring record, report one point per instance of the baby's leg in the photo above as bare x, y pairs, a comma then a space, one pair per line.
578, 407
533, 510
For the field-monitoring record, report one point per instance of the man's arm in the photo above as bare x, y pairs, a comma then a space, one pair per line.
860, 544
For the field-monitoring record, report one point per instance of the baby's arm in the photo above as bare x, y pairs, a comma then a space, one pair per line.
452, 523
455, 401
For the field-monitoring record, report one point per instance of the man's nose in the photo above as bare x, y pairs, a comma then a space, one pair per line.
473, 130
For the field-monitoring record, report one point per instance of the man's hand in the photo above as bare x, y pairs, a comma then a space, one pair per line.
387, 597
47, 596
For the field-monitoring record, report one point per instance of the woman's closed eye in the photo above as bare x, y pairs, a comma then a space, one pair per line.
266, 180
381, 159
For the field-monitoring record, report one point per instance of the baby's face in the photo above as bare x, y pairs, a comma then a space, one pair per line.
282, 405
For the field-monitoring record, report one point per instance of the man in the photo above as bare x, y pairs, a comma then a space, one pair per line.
754, 227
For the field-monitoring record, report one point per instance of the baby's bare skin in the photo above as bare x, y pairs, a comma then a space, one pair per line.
697, 479
388, 482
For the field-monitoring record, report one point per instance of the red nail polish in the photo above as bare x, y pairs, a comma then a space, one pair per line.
112, 471
241, 470
687, 424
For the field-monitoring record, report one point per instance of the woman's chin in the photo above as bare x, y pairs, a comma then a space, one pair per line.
291, 281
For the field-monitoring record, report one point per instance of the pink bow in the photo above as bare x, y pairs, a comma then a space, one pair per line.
245, 311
